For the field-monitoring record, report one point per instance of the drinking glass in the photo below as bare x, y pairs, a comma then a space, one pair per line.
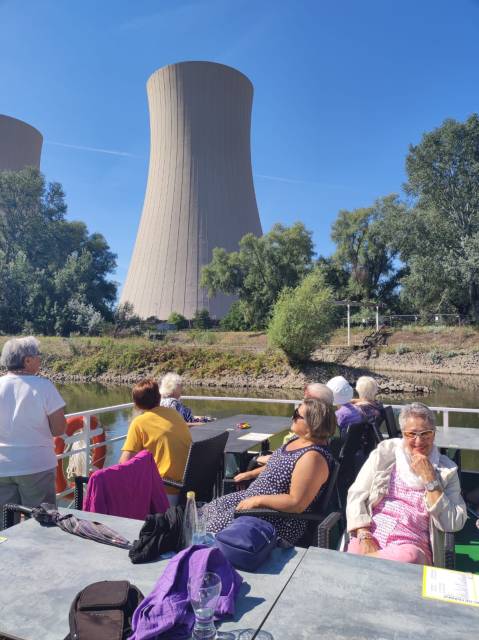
204, 592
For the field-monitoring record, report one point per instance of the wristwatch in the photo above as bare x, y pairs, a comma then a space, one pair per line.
433, 484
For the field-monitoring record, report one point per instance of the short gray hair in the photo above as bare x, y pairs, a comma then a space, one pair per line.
169, 383
367, 388
16, 350
319, 391
418, 410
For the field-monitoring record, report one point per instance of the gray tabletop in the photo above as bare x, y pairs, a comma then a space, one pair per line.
237, 442
42, 569
340, 596
457, 438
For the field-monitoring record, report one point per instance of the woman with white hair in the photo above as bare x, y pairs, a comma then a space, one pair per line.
406, 495
31, 413
365, 408
171, 388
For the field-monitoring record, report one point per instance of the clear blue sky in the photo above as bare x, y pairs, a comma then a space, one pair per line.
342, 88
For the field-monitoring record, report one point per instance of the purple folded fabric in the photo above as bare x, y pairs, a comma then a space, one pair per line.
167, 608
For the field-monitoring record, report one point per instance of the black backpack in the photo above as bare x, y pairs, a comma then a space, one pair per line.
104, 611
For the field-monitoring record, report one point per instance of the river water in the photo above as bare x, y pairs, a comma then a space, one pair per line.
446, 391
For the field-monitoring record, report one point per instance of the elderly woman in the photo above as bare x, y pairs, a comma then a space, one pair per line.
293, 480
160, 430
31, 413
406, 495
171, 389
365, 407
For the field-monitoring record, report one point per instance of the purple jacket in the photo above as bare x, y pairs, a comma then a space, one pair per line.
350, 413
167, 607
133, 489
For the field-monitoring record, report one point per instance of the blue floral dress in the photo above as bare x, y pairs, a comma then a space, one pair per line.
275, 479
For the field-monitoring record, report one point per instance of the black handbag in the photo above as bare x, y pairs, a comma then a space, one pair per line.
104, 611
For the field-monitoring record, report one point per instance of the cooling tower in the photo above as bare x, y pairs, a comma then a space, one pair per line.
200, 192
20, 145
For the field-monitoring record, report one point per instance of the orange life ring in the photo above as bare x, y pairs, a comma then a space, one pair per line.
98, 453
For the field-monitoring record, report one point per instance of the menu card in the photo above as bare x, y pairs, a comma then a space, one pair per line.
256, 437
451, 586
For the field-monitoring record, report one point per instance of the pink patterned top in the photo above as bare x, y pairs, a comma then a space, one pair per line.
402, 518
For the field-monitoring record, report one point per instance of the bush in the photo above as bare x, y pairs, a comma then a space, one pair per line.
302, 318
178, 320
402, 348
201, 319
436, 357
235, 319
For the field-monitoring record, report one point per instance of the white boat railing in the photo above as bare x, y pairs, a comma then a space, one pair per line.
87, 433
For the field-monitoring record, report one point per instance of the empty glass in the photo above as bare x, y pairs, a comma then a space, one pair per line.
204, 592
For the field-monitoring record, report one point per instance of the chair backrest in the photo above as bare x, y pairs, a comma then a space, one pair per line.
391, 425
325, 503
204, 467
360, 440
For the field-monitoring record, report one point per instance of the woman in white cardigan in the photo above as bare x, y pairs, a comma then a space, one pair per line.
406, 495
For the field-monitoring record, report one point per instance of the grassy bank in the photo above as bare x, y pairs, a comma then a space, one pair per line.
94, 357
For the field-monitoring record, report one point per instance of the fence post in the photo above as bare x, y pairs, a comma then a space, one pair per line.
86, 432
349, 325
445, 419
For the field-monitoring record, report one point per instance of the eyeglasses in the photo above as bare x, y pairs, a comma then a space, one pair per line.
296, 415
412, 435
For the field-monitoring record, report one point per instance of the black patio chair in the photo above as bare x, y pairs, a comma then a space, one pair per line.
361, 438
391, 424
204, 469
319, 522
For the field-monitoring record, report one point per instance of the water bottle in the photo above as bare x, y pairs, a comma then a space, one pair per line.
190, 520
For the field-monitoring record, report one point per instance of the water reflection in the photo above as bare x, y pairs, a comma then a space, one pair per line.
446, 391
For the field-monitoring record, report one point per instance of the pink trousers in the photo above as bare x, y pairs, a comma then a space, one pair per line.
398, 552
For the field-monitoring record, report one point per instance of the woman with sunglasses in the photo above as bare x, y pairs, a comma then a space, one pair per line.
293, 480
406, 495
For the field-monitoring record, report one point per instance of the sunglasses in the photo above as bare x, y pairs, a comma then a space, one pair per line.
412, 435
296, 415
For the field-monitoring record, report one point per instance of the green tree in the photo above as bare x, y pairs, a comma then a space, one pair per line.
47, 262
201, 319
303, 317
177, 319
235, 319
260, 270
364, 268
439, 238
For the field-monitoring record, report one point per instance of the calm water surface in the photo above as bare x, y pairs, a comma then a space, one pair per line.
446, 391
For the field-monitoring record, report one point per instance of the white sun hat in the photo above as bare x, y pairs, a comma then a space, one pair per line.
342, 390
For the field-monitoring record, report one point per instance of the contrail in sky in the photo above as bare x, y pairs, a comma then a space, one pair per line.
111, 152
294, 181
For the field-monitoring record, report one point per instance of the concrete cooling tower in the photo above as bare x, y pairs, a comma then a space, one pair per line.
200, 192
20, 145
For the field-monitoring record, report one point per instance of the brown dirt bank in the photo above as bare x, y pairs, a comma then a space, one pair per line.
457, 362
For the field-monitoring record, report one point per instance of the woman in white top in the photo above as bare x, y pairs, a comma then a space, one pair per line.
31, 413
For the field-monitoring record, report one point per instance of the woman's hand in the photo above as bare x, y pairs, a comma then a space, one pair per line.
368, 545
422, 467
249, 503
243, 477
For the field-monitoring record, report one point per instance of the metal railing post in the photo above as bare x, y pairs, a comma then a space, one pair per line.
445, 419
86, 431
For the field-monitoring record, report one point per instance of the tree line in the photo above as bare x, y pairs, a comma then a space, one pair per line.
418, 253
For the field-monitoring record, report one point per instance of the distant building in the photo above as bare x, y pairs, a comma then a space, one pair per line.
200, 192
20, 145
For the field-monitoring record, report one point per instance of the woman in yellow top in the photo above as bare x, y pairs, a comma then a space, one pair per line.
159, 430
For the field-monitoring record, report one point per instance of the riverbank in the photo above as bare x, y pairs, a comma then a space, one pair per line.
125, 361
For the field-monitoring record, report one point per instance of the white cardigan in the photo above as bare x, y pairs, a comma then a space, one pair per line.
371, 485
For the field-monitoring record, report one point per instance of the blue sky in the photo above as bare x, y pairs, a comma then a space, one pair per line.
341, 89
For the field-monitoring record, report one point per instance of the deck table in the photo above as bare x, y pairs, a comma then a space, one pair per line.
238, 443
43, 568
340, 596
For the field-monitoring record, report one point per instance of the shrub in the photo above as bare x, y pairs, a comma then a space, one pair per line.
402, 348
302, 318
436, 357
178, 320
201, 319
236, 318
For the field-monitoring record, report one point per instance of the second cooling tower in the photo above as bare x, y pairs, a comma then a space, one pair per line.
200, 192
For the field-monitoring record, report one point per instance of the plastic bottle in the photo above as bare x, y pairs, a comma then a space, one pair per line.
190, 520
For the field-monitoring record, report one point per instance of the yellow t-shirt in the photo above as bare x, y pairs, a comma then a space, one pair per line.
166, 435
